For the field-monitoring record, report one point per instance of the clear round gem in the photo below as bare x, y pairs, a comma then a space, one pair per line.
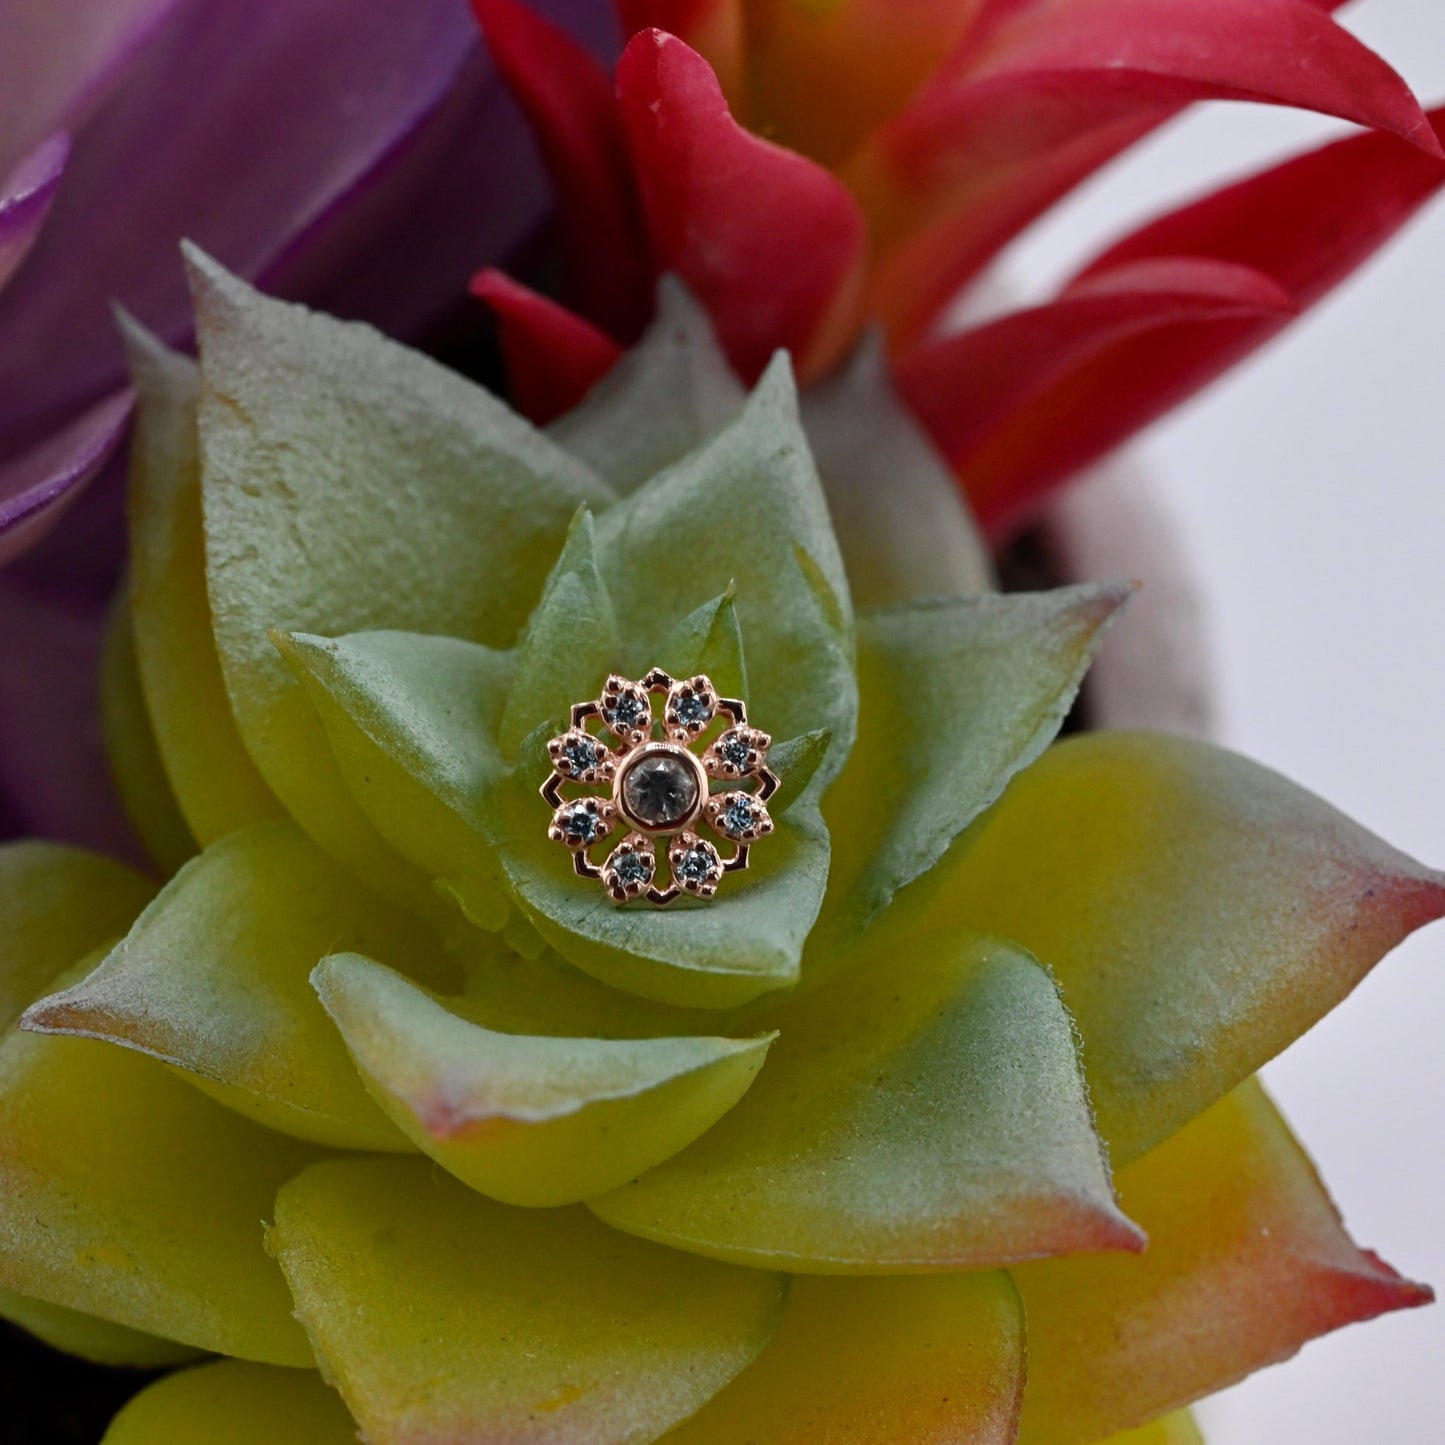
697, 865
692, 709
739, 815
630, 868
582, 824
583, 754
660, 790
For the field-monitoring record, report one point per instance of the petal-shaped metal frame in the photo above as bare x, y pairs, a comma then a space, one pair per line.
689, 708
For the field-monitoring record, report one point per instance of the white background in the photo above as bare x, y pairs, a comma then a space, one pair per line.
1309, 490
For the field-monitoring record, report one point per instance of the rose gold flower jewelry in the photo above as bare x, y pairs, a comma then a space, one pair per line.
660, 762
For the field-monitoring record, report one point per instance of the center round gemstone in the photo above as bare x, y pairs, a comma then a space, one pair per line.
660, 790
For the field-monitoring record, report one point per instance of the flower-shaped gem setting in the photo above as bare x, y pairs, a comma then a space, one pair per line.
661, 762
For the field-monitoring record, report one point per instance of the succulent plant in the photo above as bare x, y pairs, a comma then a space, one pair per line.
959, 1074
811, 169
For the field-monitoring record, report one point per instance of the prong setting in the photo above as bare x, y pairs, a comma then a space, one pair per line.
581, 822
626, 711
739, 816
696, 865
738, 753
690, 708
630, 868
582, 758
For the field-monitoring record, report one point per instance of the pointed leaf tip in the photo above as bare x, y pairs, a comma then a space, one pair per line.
529, 1119
924, 1113
956, 698
1199, 912
553, 357
1247, 1261
665, 397
771, 243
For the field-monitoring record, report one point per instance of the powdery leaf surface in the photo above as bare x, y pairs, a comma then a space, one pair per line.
441, 1315
528, 1119
925, 1112
1247, 1260
1198, 911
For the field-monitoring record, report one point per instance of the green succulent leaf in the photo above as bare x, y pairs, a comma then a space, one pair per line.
231, 1402
531, 1120
59, 904
94, 1339
213, 979
709, 640
350, 484
412, 721
570, 643
902, 522
544, 994
956, 697
1199, 912
717, 955
441, 1315
664, 398
930, 1361
744, 513
927, 1112
126, 1195
796, 762
217, 786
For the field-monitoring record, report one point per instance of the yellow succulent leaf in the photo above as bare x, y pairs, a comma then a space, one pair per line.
441, 1315
1247, 1261
131, 748
216, 784
1176, 1429
90, 1337
1199, 912
235, 1403
529, 1120
925, 1112
929, 1361
126, 1195
213, 979
58, 904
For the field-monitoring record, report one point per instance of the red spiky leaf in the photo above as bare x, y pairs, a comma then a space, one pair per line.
1042, 95
567, 98
1307, 224
771, 243
553, 357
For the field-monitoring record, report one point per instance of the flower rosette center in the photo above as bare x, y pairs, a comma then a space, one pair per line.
661, 786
